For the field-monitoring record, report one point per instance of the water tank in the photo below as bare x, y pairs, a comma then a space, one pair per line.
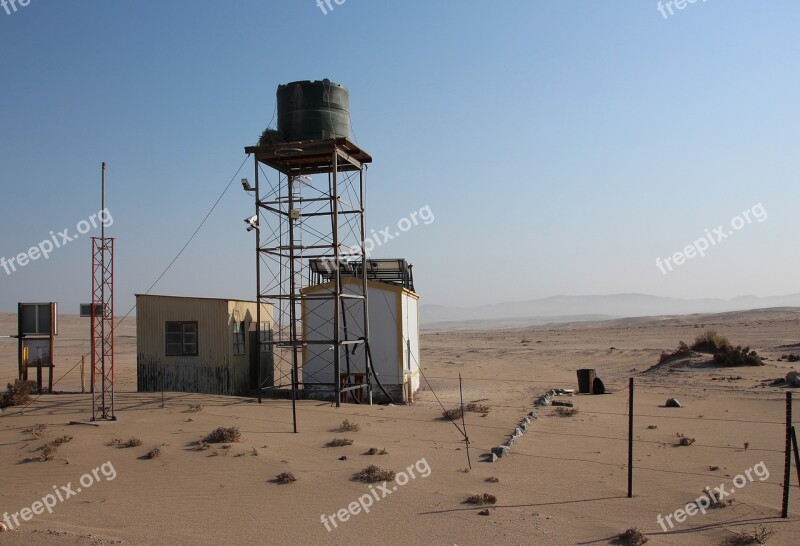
313, 110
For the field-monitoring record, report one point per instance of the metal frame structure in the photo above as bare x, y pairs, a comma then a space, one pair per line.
301, 219
103, 323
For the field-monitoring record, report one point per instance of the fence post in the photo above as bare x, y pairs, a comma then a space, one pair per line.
796, 456
787, 467
630, 438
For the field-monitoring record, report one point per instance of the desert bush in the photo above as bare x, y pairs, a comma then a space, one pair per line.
477, 408
133, 442
631, 537
340, 442
738, 357
758, 535
682, 350
566, 412
492, 479
153, 453
224, 435
373, 474
49, 451
453, 414
486, 498
286, 477
17, 393
684, 440
347, 426
36, 430
711, 342
376, 451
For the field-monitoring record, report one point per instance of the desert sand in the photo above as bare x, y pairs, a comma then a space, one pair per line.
565, 481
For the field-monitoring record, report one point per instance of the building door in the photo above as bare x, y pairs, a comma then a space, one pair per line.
265, 360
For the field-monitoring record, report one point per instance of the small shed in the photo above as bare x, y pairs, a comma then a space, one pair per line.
393, 336
202, 345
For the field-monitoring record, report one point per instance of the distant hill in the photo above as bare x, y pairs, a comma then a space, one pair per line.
580, 308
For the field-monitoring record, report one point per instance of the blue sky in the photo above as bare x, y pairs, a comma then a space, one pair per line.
563, 146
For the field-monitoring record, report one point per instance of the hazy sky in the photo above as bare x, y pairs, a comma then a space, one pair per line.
562, 146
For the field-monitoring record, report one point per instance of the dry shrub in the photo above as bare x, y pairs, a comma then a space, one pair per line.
340, 442
223, 435
115, 442
17, 393
758, 535
153, 453
682, 350
566, 412
486, 498
477, 408
685, 440
48, 452
36, 430
286, 477
738, 357
195, 408
347, 426
632, 537
711, 342
201, 446
133, 442
373, 474
492, 479
453, 414
376, 451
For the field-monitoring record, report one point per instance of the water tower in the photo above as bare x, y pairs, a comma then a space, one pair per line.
309, 199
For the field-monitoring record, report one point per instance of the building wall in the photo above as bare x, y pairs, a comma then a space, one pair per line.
215, 370
411, 336
393, 318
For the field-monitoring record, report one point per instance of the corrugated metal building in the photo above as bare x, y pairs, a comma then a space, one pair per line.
393, 332
202, 345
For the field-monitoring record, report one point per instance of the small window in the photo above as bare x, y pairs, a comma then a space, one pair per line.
266, 336
181, 339
238, 338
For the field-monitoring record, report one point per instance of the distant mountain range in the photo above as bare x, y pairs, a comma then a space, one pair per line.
582, 308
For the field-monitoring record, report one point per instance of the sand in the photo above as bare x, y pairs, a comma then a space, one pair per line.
564, 483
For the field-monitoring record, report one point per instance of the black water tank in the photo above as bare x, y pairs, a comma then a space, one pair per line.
313, 110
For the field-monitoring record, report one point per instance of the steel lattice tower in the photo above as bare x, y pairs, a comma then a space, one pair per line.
300, 221
103, 322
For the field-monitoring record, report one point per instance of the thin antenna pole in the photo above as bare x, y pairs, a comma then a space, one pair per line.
463, 422
103, 291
